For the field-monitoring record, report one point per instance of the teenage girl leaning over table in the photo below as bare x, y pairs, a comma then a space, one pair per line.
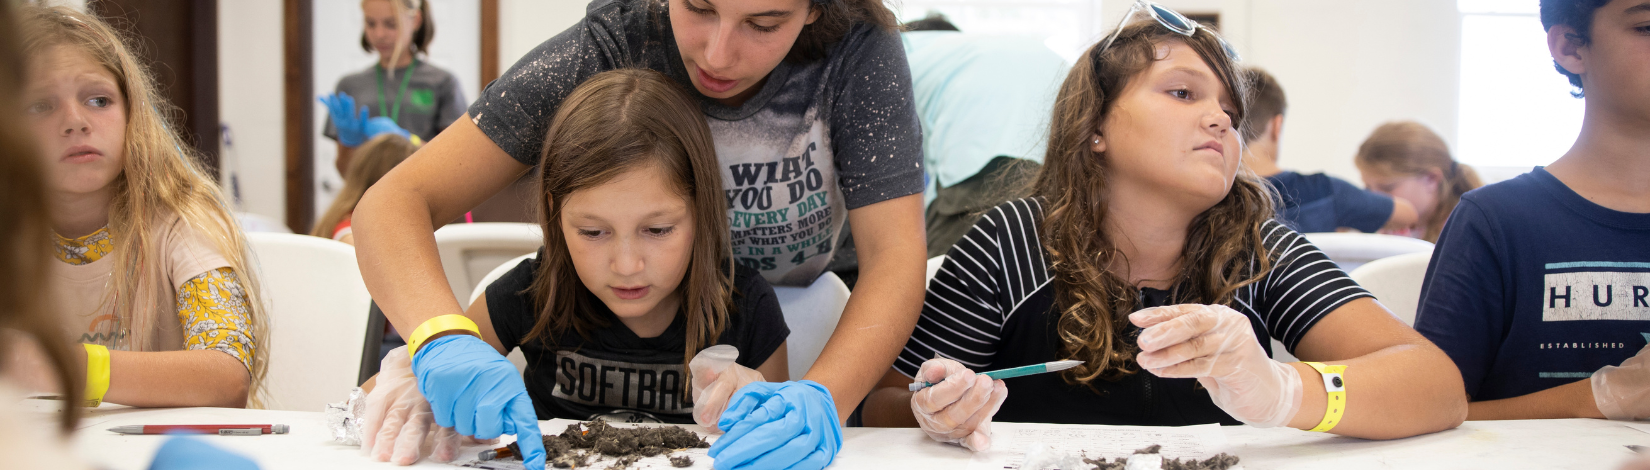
809, 103
1147, 254
151, 270
401, 92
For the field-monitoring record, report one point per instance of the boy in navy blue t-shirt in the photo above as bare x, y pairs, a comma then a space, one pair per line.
1315, 202
1540, 286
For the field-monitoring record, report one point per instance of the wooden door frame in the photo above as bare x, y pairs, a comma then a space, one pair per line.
298, 71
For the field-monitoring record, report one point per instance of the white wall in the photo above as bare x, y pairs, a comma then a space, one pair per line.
250, 105
523, 24
337, 52
1346, 67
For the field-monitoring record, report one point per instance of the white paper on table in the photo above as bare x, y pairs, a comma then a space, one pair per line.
1010, 441
1640, 426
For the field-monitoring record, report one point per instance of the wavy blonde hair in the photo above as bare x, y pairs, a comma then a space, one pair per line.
371, 161
1222, 242
162, 176
25, 246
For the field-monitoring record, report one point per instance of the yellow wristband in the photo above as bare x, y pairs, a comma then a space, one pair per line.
438, 325
1334, 382
97, 374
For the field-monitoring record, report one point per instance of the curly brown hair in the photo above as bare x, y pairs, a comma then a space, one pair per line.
1221, 244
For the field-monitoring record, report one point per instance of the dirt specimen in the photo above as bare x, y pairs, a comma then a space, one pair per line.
573, 447
681, 461
1219, 462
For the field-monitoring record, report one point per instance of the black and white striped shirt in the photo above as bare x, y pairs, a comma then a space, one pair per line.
991, 306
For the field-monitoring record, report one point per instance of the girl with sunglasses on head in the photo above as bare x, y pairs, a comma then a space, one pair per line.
810, 108
1146, 254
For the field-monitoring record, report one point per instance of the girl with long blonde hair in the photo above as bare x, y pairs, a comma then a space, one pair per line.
152, 273
1150, 259
1406, 159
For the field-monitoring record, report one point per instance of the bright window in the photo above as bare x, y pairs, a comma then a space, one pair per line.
1066, 26
1515, 109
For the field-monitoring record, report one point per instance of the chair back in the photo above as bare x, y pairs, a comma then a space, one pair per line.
1396, 282
316, 303
470, 251
934, 267
515, 356
811, 313
1351, 250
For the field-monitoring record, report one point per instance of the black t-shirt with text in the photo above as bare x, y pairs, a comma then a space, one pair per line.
613, 369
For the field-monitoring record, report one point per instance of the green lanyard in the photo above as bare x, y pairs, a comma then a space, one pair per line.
400, 95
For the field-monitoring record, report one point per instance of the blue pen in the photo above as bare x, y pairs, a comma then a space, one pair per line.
1012, 372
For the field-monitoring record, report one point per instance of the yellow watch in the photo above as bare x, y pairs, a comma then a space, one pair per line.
437, 325
1334, 382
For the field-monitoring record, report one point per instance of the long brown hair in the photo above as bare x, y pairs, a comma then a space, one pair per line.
162, 176
617, 121
25, 244
836, 18
1410, 148
1221, 245
372, 160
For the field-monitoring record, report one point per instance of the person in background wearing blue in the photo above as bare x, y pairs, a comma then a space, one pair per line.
1316, 202
809, 105
416, 98
1537, 289
985, 102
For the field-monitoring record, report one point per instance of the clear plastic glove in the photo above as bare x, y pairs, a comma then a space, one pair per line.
188, 453
1623, 392
958, 408
715, 378
384, 125
473, 389
779, 425
1215, 345
351, 122
398, 426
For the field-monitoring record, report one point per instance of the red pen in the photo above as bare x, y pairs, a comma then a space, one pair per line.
219, 429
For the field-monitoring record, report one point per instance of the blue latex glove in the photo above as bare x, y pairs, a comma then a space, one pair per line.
476, 391
779, 425
351, 125
187, 453
384, 125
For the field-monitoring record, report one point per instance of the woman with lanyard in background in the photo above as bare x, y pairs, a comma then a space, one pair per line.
810, 106
400, 93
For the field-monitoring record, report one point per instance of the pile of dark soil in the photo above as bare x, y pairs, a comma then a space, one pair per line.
1218, 462
573, 447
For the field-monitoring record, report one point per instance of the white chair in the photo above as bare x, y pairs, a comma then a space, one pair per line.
251, 222
317, 309
515, 356
1351, 250
811, 313
934, 267
469, 251
1396, 281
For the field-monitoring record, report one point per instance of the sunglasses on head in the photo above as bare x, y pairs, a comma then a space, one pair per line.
1170, 19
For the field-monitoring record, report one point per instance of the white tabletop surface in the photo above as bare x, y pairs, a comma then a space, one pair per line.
1545, 444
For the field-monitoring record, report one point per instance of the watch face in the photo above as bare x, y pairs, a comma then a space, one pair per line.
625, 416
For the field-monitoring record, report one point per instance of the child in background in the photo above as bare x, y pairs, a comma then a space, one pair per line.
1316, 202
419, 97
1536, 288
151, 270
635, 281
1146, 253
372, 160
1408, 161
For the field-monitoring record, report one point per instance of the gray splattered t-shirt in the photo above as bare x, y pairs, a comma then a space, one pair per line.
820, 138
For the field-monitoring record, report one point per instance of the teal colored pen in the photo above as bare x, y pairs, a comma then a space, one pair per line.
1012, 372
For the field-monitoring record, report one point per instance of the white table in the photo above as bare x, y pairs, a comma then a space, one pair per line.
1544, 444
